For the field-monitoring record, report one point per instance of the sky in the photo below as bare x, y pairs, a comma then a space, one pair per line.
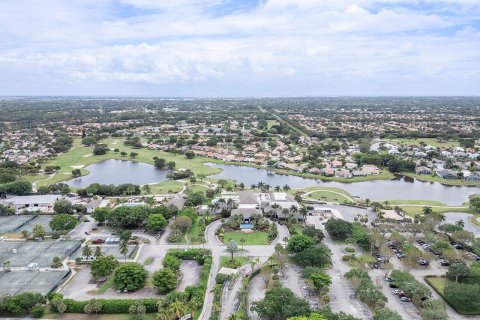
239, 48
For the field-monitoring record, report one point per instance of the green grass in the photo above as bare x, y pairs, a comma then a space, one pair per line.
416, 202
165, 186
197, 188
240, 261
271, 123
329, 196
148, 261
194, 235
435, 178
253, 238
412, 211
105, 286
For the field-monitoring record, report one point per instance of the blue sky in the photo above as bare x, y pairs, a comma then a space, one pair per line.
240, 48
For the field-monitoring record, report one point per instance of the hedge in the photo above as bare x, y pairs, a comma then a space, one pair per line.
111, 306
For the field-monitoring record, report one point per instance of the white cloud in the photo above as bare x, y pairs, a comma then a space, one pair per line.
300, 45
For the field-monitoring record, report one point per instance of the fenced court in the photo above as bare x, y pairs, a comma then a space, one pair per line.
41, 220
20, 254
12, 223
31, 281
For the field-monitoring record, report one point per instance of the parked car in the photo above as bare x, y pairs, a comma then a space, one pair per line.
405, 299
423, 262
398, 292
444, 262
392, 285
388, 279
458, 246
98, 241
400, 255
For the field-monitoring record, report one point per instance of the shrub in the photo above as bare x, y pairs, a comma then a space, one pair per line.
37, 311
221, 278
165, 280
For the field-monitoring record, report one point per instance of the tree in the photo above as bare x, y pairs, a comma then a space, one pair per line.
63, 222
87, 251
280, 303
232, 248
133, 155
93, 307
38, 231
103, 266
165, 280
56, 263
314, 233
386, 314
172, 262
299, 242
76, 172
339, 229
137, 309
100, 149
89, 141
156, 222
177, 309
123, 249
475, 203
160, 163
101, 214
130, 276
321, 281
190, 154
183, 223
314, 256
146, 189
459, 272
63, 206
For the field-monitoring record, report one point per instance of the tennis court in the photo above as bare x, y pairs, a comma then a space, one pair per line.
31, 281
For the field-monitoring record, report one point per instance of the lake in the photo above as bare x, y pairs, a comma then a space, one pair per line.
400, 188
119, 172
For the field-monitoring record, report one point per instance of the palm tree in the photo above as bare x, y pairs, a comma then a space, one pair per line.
293, 208
253, 186
278, 188
123, 248
286, 187
87, 251
177, 309
304, 212
98, 252
427, 210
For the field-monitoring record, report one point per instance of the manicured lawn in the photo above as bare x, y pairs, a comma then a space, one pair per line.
197, 188
412, 211
165, 186
194, 235
329, 196
435, 178
437, 283
271, 123
253, 238
417, 202
240, 261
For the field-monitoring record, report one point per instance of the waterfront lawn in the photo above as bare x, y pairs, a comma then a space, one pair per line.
197, 188
413, 210
329, 196
415, 202
252, 238
435, 178
165, 186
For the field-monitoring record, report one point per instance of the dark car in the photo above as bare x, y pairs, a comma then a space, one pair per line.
444, 262
392, 285
98, 241
458, 246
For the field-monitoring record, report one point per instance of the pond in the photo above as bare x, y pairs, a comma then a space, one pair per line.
400, 188
119, 172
